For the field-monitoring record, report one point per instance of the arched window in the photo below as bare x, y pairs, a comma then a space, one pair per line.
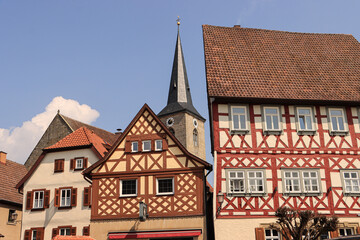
195, 137
172, 131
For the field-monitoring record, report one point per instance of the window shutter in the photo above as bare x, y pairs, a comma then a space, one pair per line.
40, 233
56, 165
127, 146
85, 162
358, 230
27, 234
73, 197
259, 234
57, 197
55, 232
73, 231
334, 234
61, 167
86, 231
72, 164
29, 197
46, 198
87, 196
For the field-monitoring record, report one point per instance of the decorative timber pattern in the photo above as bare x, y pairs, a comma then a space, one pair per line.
322, 151
146, 167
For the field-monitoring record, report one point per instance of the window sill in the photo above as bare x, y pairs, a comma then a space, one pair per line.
245, 194
338, 133
352, 194
272, 132
37, 209
78, 169
127, 196
302, 194
58, 171
306, 132
239, 132
11, 223
164, 194
64, 207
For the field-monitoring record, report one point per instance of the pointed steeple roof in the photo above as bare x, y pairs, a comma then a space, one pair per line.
179, 99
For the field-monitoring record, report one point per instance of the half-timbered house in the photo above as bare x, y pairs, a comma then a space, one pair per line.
149, 165
285, 129
56, 196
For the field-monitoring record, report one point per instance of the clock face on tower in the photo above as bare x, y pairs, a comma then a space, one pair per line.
170, 121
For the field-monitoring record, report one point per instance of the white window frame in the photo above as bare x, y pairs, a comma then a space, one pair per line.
343, 116
143, 144
345, 233
164, 193
81, 161
156, 145
246, 179
267, 130
128, 195
352, 180
246, 118
33, 234
301, 179
312, 120
62, 231
67, 198
40, 202
133, 146
272, 237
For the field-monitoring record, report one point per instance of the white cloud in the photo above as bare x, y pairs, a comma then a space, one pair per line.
18, 142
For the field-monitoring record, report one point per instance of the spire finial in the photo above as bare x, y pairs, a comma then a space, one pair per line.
178, 22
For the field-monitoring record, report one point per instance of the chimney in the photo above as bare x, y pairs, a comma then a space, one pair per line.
237, 26
3, 157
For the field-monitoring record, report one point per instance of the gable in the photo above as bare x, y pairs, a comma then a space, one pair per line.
147, 127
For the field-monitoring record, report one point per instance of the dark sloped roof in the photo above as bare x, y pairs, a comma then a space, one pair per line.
256, 63
179, 98
109, 137
10, 174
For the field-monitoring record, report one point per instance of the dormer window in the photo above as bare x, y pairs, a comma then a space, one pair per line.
146, 146
158, 145
134, 147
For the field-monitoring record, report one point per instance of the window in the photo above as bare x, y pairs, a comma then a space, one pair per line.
65, 199
346, 231
351, 181
59, 165
245, 181
34, 234
239, 118
158, 145
64, 231
272, 119
79, 163
305, 119
337, 120
165, 186
12, 216
272, 234
134, 147
301, 181
146, 146
195, 138
128, 188
38, 199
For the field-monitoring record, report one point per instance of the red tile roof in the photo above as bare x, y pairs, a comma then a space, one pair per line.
255, 63
10, 174
81, 137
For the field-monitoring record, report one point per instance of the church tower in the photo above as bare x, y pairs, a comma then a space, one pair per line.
179, 115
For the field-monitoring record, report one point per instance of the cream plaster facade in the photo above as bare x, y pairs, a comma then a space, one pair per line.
11, 231
100, 228
45, 178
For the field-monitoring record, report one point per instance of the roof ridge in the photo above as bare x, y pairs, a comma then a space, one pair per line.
84, 123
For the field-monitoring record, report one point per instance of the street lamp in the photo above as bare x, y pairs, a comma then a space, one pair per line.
220, 200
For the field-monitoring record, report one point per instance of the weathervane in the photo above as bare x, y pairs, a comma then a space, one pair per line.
178, 22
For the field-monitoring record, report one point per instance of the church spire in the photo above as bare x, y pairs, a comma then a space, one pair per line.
179, 98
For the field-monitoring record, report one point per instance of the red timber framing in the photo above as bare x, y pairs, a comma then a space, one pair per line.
327, 153
155, 234
173, 161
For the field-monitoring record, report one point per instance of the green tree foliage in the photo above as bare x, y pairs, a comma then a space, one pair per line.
294, 224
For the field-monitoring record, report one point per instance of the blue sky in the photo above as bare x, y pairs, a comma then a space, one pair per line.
115, 55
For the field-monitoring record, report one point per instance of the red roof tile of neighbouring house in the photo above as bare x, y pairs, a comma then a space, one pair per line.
256, 63
10, 174
81, 137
